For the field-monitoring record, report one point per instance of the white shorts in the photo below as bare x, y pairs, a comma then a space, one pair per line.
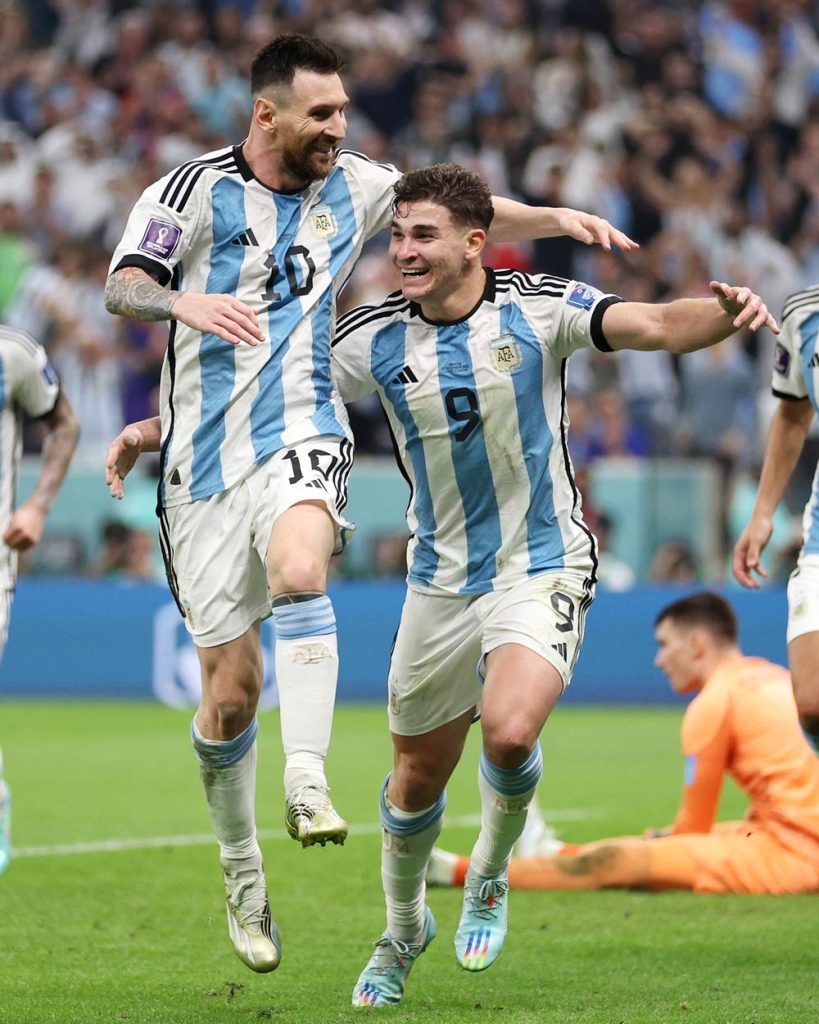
6, 598
803, 601
215, 548
436, 671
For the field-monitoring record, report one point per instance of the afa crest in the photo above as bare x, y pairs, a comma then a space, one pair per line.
506, 352
323, 222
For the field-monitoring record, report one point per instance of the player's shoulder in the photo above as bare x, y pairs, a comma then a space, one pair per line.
801, 303
361, 166
372, 318
519, 285
175, 189
19, 345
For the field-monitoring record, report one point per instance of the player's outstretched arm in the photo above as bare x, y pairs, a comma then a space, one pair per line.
516, 222
26, 524
686, 325
126, 448
133, 293
786, 438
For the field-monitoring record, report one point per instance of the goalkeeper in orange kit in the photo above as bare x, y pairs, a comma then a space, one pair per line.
742, 721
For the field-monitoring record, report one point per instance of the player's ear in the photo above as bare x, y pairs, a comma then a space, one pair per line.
264, 113
475, 243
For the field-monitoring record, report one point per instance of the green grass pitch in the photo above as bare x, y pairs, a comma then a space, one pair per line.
137, 933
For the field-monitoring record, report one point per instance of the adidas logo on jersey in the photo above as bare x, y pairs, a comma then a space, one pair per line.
406, 376
246, 238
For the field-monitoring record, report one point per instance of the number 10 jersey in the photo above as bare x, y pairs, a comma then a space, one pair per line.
210, 226
478, 412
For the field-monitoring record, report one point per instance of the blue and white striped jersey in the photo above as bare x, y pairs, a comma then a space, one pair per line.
795, 376
28, 385
478, 412
211, 226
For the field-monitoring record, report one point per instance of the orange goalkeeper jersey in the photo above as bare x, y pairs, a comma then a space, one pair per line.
744, 721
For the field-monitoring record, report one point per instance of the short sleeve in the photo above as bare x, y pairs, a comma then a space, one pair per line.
351, 356
29, 380
787, 378
374, 189
581, 318
160, 229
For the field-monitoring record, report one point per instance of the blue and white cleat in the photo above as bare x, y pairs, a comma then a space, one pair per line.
482, 928
382, 981
5, 821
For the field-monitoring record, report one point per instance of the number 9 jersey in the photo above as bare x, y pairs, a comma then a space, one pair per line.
211, 226
478, 412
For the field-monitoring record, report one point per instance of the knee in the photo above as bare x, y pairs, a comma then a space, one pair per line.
415, 786
508, 743
298, 572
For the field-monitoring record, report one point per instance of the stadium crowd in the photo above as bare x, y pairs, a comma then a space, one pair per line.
694, 128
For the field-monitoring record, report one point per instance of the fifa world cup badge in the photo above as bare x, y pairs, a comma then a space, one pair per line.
323, 222
506, 352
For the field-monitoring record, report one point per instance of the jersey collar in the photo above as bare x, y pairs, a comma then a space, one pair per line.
487, 296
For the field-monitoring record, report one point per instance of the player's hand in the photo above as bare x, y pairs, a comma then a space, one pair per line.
588, 228
745, 306
748, 550
25, 527
121, 458
222, 315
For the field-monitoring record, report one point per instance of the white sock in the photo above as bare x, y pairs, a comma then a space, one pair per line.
306, 672
228, 772
408, 839
505, 798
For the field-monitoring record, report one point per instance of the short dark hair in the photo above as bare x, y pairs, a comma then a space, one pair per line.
277, 63
704, 610
464, 193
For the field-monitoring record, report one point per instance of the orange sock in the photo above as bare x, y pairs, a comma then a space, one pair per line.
460, 871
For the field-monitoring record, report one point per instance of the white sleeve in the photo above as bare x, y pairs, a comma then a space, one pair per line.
160, 229
350, 361
29, 378
788, 379
580, 319
373, 184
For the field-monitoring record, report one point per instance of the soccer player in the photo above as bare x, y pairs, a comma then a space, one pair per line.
743, 722
28, 386
255, 241
470, 366
795, 361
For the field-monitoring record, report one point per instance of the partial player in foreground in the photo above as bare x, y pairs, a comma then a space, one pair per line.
28, 387
470, 367
794, 372
255, 241
743, 722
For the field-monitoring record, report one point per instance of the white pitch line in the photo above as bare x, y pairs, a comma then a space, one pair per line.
155, 842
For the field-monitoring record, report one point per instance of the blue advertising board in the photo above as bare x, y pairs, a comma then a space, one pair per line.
87, 638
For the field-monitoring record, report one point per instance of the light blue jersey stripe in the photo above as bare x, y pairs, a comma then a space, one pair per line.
336, 195
218, 359
387, 361
473, 472
285, 312
545, 542
808, 336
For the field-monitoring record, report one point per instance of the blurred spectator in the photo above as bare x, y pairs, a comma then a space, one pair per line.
674, 562
389, 555
612, 572
612, 432
125, 552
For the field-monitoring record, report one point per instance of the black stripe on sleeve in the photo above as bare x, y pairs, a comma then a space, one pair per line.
789, 398
597, 335
152, 267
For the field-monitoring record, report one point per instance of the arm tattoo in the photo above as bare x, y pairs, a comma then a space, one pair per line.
58, 448
133, 293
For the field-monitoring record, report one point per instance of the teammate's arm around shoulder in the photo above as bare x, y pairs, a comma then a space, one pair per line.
134, 293
686, 325
516, 222
126, 448
26, 524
